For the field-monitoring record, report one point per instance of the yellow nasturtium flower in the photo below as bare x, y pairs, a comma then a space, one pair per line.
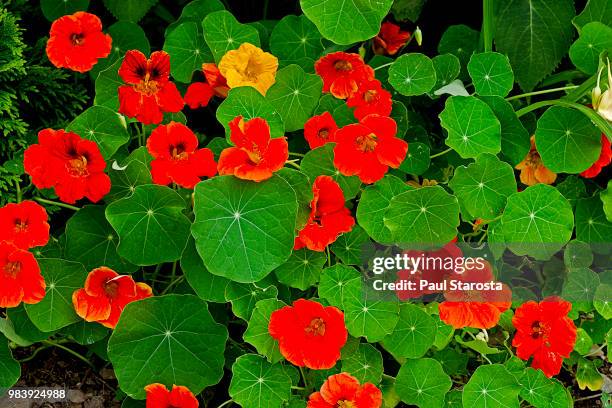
249, 66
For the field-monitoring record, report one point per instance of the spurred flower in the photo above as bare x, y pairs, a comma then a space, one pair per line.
20, 277
544, 331
533, 170
176, 157
215, 79
309, 334
149, 92
249, 66
328, 216
478, 308
344, 391
371, 98
343, 73
320, 129
24, 224
605, 157
158, 396
390, 39
198, 95
256, 156
368, 148
106, 294
77, 42
72, 165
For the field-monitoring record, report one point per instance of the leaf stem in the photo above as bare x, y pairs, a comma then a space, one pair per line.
542, 92
442, 153
296, 154
226, 403
70, 351
58, 204
306, 386
488, 19
19, 193
297, 166
383, 66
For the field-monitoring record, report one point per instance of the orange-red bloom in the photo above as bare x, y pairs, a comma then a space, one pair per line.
20, 277
77, 42
158, 396
149, 92
256, 156
371, 98
72, 165
176, 157
342, 73
106, 294
215, 79
198, 95
309, 334
328, 216
533, 170
544, 331
477, 308
605, 157
344, 391
24, 224
390, 39
320, 129
368, 148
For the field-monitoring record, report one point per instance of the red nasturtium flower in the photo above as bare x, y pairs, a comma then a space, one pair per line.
20, 277
198, 95
256, 156
342, 73
390, 39
328, 216
480, 309
149, 92
544, 331
371, 98
605, 157
72, 165
320, 129
176, 157
215, 79
24, 224
77, 42
344, 391
368, 148
106, 294
158, 396
309, 334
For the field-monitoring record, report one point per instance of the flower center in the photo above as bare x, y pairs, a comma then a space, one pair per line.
77, 39
370, 95
367, 143
345, 404
324, 133
179, 153
21, 225
316, 327
147, 86
12, 269
533, 159
111, 287
343, 66
78, 167
538, 330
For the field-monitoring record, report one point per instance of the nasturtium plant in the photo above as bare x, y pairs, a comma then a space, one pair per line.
306, 203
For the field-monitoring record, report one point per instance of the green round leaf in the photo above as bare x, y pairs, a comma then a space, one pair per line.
542, 392
206, 285
244, 230
583, 341
151, 226
595, 38
295, 95
491, 386
187, 50
567, 140
491, 73
373, 205
336, 280
224, 33
577, 254
423, 383
196, 11
302, 269
342, 114
426, 215
131, 173
247, 102
414, 335
18, 328
606, 199
86, 333
10, 370
346, 22
595, 10
591, 222
349, 246
244, 296
170, 339
447, 68
461, 41
471, 125
320, 161
484, 186
295, 40
130, 10
257, 383
257, 333
537, 221
56, 310
452, 361
367, 316
107, 83
412, 74
580, 287
54, 9
365, 363
103, 126
417, 160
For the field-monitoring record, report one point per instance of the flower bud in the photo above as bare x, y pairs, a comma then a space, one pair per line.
418, 36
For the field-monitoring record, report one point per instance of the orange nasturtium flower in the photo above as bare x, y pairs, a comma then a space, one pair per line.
249, 66
106, 294
344, 391
158, 396
533, 170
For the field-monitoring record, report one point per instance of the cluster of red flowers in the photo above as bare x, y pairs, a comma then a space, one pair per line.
22, 226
